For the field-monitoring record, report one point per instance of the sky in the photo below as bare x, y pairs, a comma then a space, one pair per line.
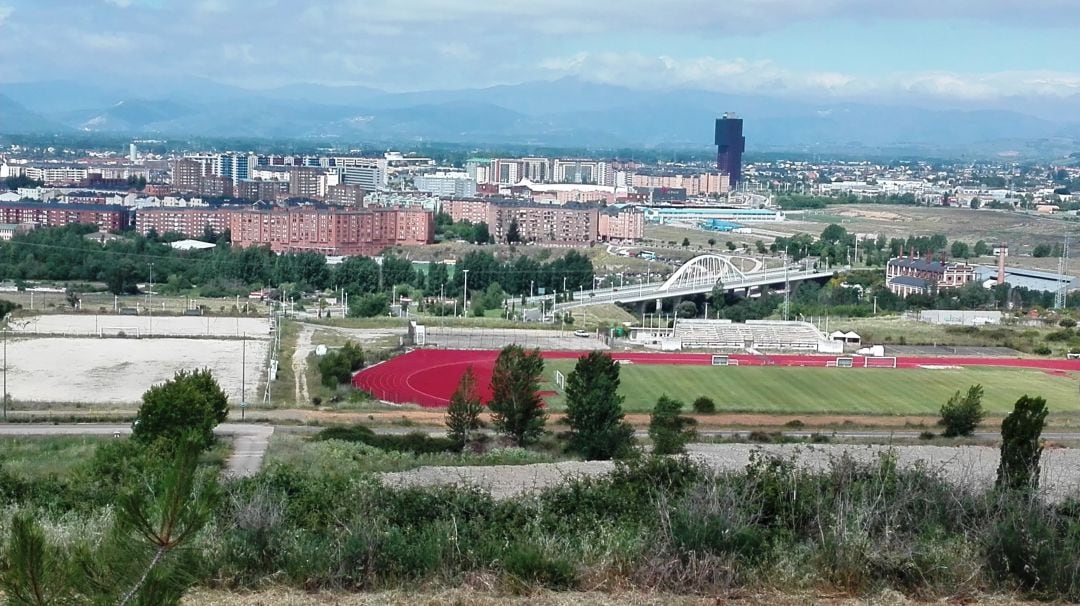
976, 52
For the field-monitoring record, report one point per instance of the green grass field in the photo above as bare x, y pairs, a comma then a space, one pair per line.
797, 390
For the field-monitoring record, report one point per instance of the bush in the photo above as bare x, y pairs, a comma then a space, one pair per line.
704, 405
1042, 350
190, 402
336, 367
417, 443
962, 414
670, 431
528, 565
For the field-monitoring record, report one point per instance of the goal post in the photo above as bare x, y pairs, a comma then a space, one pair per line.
879, 362
722, 360
119, 331
560, 380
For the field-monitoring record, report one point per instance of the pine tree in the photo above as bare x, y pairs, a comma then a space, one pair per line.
1021, 445
463, 414
517, 410
594, 409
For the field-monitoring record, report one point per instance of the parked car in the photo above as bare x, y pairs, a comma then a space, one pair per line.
580, 333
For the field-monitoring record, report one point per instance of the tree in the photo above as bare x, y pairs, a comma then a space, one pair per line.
712, 242
686, 242
513, 235
959, 250
1021, 445
369, 306
517, 411
1067, 323
975, 204
480, 233
760, 247
1042, 250
336, 367
963, 413
134, 563
463, 414
72, 298
669, 430
834, 234
191, 402
981, 249
594, 409
687, 309
730, 245
704, 405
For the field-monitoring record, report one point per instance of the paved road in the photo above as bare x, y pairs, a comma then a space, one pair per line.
249, 441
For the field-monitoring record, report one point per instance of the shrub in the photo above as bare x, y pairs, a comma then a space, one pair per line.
1021, 444
963, 413
528, 565
190, 402
795, 424
704, 405
669, 430
417, 443
927, 435
1067, 323
336, 367
1042, 350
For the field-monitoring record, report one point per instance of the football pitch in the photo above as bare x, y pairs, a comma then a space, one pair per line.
799, 390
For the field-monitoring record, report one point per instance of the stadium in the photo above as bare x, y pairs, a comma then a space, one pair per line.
766, 367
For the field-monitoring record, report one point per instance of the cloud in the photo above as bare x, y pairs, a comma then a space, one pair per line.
766, 77
5, 13
119, 3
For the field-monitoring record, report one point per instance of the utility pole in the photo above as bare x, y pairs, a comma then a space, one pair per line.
1063, 266
150, 305
465, 296
243, 375
5, 373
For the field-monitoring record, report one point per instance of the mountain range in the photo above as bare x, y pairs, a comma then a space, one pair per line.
565, 112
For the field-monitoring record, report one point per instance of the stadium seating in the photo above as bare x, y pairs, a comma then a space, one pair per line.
760, 335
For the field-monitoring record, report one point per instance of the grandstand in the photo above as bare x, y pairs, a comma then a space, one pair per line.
759, 335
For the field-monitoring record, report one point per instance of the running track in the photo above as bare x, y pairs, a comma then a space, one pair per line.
428, 376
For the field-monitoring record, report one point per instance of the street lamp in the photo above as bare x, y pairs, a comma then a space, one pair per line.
465, 296
5, 373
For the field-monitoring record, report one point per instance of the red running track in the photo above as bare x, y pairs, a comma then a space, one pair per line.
428, 376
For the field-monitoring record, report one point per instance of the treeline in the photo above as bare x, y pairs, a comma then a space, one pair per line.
801, 202
65, 254
837, 245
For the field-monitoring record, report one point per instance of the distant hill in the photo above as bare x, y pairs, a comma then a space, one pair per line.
17, 120
564, 112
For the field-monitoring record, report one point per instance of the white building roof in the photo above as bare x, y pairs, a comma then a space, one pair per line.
191, 245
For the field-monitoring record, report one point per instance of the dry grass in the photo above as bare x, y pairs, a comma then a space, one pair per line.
472, 597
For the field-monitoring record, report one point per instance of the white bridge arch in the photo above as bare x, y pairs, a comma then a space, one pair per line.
707, 270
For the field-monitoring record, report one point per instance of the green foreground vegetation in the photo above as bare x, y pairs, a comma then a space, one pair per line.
654, 524
796, 390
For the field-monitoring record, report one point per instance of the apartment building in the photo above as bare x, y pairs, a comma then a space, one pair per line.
345, 195
107, 217
621, 223
472, 210
695, 184
260, 190
331, 231
188, 221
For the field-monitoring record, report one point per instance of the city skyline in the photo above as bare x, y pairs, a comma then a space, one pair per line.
948, 54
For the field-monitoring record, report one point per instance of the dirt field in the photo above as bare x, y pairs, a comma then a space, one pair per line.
118, 371
1021, 231
174, 326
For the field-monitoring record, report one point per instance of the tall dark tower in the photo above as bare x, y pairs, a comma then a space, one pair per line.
730, 145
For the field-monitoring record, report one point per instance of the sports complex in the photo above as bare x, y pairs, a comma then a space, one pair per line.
783, 383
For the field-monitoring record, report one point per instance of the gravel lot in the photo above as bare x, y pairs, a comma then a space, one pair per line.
186, 326
966, 466
116, 371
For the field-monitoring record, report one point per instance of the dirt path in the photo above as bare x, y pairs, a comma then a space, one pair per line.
299, 363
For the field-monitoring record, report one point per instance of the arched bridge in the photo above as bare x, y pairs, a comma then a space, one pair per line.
698, 275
